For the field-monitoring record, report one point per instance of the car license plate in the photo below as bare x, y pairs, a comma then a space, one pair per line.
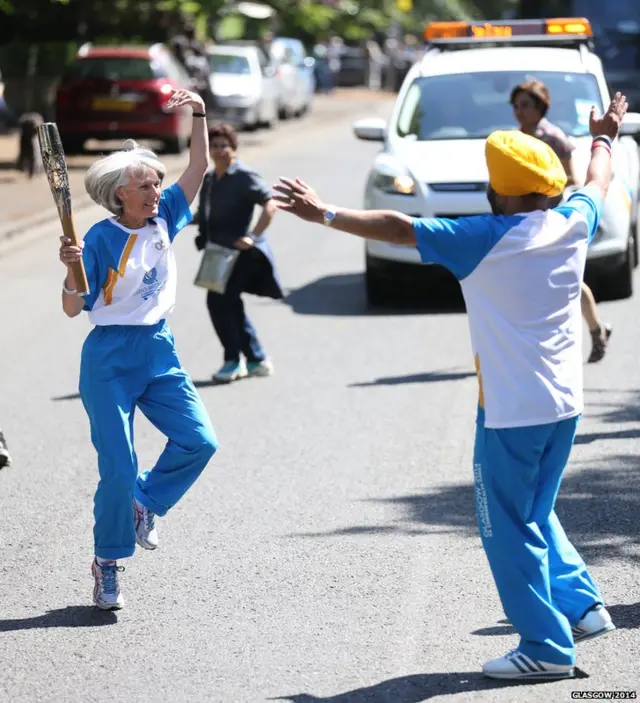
114, 104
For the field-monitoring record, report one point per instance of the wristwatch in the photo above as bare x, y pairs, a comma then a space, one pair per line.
329, 216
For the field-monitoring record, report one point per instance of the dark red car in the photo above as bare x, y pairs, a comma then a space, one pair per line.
114, 92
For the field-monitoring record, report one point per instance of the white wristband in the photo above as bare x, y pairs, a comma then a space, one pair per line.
68, 291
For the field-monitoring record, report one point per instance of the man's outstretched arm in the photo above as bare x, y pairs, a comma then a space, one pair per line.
300, 199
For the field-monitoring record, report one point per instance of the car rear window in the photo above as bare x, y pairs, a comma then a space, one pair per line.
230, 63
115, 69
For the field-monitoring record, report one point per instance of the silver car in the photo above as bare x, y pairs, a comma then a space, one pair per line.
245, 86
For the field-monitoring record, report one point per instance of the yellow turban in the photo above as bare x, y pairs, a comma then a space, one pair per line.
520, 164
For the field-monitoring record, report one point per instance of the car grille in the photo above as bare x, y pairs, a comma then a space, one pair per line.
478, 187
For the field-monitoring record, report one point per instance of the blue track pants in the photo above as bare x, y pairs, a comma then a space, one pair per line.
124, 367
542, 581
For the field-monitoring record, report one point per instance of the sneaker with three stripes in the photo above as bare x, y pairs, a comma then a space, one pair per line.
517, 665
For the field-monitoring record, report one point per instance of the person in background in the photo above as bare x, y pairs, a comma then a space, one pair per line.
228, 197
5, 457
531, 101
375, 64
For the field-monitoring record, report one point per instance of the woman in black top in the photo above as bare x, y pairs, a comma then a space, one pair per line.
230, 191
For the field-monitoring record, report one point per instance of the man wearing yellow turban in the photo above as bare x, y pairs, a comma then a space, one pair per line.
520, 270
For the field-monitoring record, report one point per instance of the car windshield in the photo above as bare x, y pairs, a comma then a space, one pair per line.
472, 105
230, 63
114, 69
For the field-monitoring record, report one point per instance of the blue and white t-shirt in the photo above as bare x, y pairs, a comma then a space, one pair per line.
521, 277
132, 273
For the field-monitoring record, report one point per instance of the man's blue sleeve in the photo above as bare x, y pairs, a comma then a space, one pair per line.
459, 245
174, 209
588, 202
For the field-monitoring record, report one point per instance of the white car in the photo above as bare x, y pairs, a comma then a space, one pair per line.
432, 163
295, 70
245, 86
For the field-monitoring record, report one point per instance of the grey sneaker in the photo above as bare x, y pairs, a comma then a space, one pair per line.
145, 523
106, 591
5, 457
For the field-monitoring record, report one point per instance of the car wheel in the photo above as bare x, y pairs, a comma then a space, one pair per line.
272, 121
619, 285
72, 145
379, 287
176, 145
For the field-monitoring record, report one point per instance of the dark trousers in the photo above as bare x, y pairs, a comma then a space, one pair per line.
234, 329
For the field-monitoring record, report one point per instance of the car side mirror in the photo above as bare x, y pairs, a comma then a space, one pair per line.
630, 124
268, 71
371, 129
309, 62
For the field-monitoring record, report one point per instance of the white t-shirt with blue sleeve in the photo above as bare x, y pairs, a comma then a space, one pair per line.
521, 277
132, 273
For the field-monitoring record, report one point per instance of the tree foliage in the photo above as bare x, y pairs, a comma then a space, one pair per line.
154, 20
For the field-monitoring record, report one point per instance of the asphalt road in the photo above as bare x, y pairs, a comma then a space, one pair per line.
329, 553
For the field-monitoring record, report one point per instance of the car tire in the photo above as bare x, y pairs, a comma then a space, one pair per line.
176, 145
72, 145
273, 121
379, 287
619, 284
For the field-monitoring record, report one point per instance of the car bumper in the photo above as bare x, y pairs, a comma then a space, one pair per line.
236, 111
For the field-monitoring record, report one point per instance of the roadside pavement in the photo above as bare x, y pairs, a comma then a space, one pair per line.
28, 202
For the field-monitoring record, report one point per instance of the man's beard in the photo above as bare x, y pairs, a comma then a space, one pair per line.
492, 197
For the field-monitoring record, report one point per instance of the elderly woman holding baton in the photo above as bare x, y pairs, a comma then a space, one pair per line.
129, 359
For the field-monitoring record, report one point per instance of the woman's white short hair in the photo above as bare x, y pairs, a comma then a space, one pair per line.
111, 172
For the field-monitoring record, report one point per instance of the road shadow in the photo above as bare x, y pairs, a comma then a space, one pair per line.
619, 411
69, 396
344, 295
625, 617
426, 377
415, 688
71, 616
597, 506
612, 413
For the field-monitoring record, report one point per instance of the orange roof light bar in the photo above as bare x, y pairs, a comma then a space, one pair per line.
446, 30
569, 25
556, 27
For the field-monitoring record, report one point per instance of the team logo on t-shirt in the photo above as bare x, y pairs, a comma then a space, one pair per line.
151, 285
150, 277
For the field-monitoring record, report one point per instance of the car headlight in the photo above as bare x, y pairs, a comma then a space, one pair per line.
397, 183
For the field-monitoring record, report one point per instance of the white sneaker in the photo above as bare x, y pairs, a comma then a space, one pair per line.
516, 665
145, 523
230, 371
260, 368
595, 623
106, 591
